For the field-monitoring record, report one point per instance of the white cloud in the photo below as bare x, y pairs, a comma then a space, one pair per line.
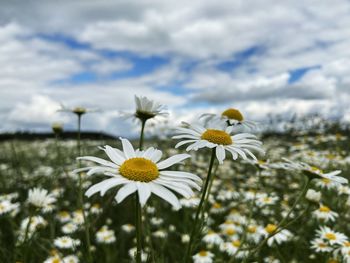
287, 34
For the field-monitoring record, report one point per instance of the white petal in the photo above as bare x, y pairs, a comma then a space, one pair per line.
156, 156
125, 191
183, 143
98, 160
183, 181
243, 135
172, 160
220, 154
182, 189
128, 149
104, 186
100, 169
165, 194
114, 155
144, 192
179, 174
332, 176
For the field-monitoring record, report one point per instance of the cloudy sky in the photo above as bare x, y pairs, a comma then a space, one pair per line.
261, 56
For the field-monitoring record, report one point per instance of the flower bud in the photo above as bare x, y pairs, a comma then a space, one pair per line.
313, 196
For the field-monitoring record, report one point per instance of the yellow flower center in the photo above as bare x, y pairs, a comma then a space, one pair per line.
251, 229
203, 253
230, 231
267, 199
79, 110
236, 243
233, 114
56, 260
144, 115
322, 245
216, 205
139, 169
331, 156
217, 137
347, 244
330, 236
315, 169
326, 180
63, 214
325, 209
270, 228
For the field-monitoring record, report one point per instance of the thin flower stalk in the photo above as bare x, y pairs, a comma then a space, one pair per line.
199, 208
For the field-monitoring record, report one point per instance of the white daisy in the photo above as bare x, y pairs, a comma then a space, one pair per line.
66, 242
331, 236
325, 214
77, 110
128, 228
230, 247
319, 245
105, 235
254, 233
212, 238
219, 138
71, 259
312, 171
203, 257
146, 109
141, 171
232, 117
40, 198
313, 196
278, 238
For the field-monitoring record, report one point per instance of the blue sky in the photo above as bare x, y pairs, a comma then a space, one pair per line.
194, 57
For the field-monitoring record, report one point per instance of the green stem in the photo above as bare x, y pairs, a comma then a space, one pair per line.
138, 215
199, 209
143, 123
81, 197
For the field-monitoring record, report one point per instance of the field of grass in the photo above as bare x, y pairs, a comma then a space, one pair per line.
247, 201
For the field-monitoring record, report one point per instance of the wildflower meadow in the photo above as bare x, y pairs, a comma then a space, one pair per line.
219, 189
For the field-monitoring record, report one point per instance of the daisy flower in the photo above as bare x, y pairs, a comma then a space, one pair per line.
325, 213
331, 236
219, 138
105, 236
230, 247
212, 238
66, 242
6, 206
319, 245
325, 183
57, 127
40, 197
203, 257
313, 196
312, 171
146, 109
278, 238
232, 116
141, 172
254, 233
77, 110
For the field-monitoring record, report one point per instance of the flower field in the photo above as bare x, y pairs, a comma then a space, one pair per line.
210, 193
